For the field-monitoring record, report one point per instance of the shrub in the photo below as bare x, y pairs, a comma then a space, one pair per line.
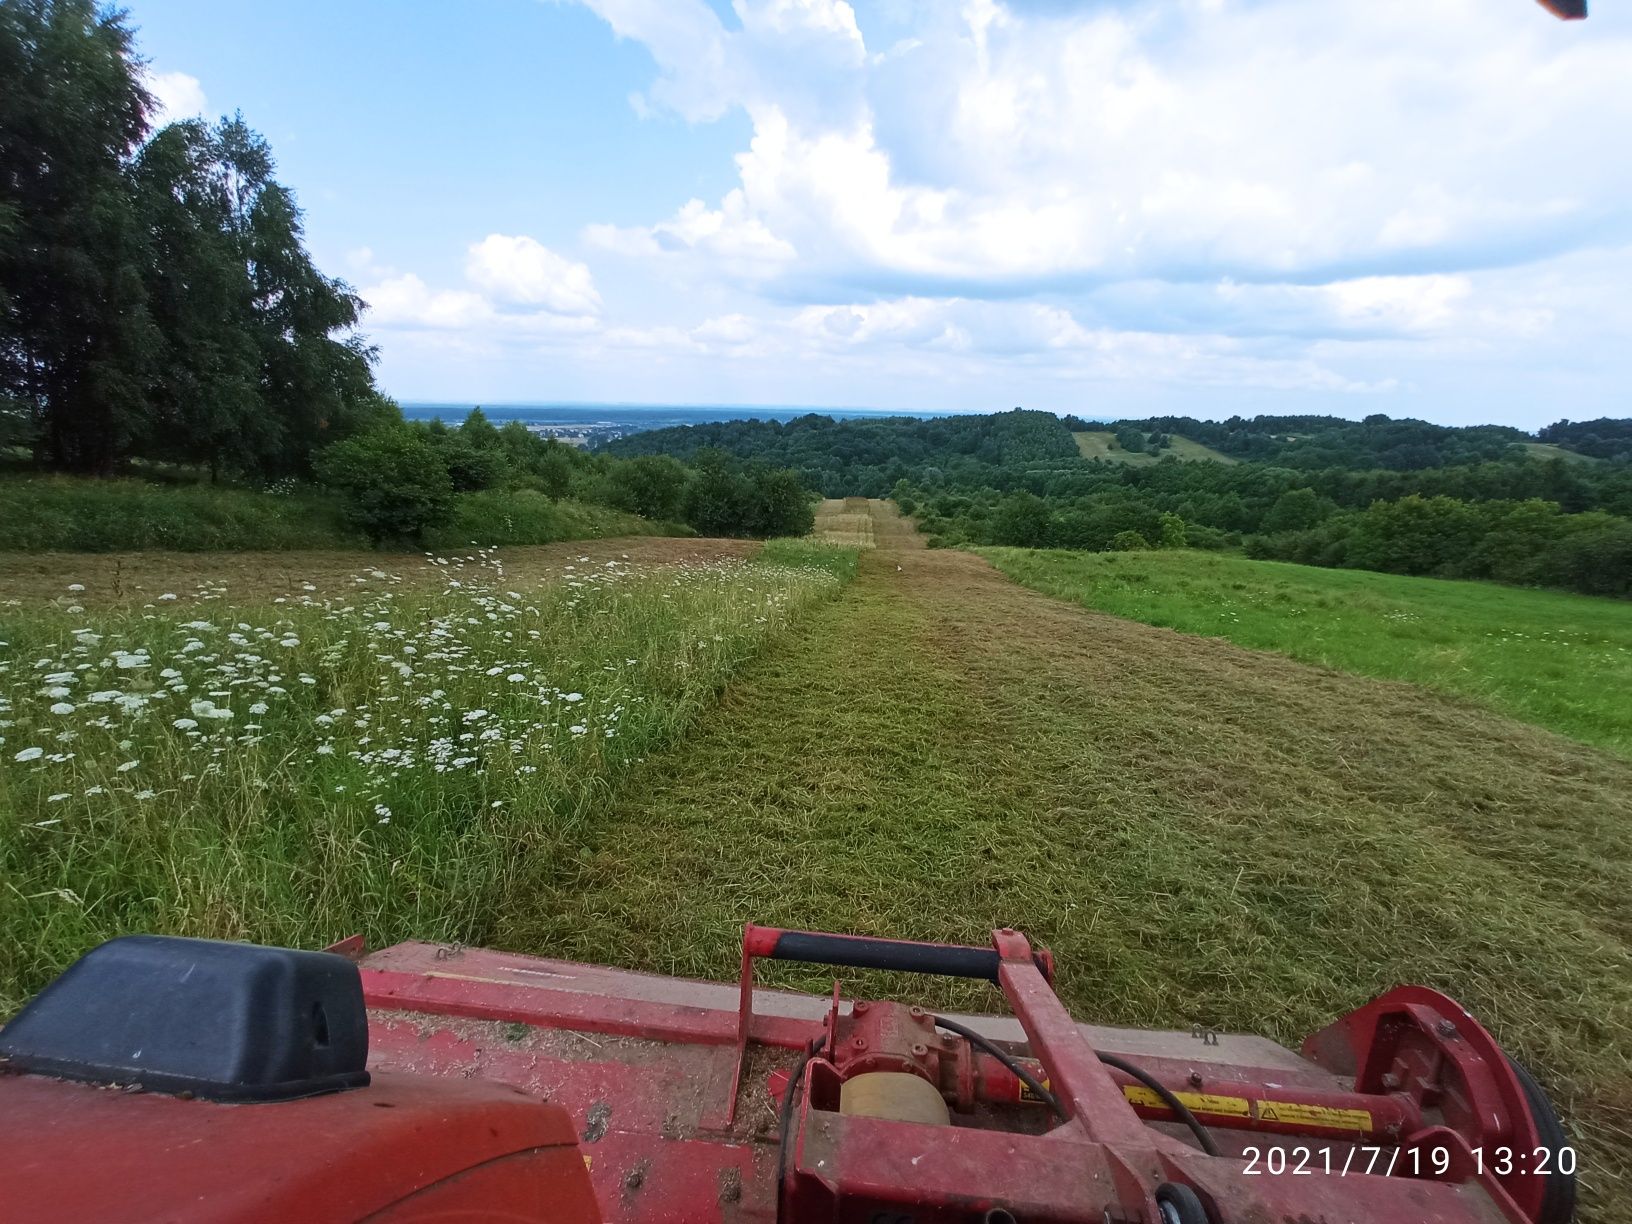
395, 484
1128, 541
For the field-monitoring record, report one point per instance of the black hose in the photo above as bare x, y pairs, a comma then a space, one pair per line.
1015, 1066
1020, 1072
785, 1116
1179, 1108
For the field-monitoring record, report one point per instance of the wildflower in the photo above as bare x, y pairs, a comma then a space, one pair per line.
145, 794
58, 798
185, 724
573, 697
76, 586
62, 707
168, 595
515, 677
128, 766
30, 754
260, 707
325, 750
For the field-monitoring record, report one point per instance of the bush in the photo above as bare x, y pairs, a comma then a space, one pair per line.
395, 484
1128, 541
1173, 532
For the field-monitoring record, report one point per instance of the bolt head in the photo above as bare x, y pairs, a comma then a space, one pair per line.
1445, 1028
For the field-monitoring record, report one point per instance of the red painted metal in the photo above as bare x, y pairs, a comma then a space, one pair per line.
400, 1147
664, 1096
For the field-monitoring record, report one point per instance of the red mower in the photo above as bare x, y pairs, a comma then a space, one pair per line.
164, 1079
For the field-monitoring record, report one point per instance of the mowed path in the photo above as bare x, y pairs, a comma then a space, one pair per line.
1203, 834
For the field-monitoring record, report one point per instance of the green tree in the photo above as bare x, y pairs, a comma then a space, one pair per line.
1172, 532
1296, 510
394, 482
75, 334
650, 485
1129, 541
1023, 520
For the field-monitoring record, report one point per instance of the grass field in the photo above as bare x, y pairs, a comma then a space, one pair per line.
1560, 661
844, 522
1204, 834
75, 514
1546, 450
1201, 833
383, 758
1101, 444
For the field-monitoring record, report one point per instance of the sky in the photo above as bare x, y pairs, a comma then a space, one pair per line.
1110, 207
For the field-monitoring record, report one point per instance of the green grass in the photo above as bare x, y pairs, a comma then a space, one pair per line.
1557, 660
1201, 834
1101, 444
73, 514
1546, 450
522, 516
382, 761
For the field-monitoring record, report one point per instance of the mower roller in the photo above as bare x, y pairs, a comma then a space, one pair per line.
190, 1080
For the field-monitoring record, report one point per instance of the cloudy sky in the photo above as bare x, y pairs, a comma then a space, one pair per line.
1113, 207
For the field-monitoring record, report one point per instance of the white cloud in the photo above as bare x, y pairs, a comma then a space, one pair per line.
176, 95
1251, 139
521, 289
520, 271
1358, 197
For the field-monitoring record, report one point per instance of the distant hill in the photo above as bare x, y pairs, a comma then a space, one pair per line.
849, 458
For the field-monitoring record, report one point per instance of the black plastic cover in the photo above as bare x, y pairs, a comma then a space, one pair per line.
223, 1021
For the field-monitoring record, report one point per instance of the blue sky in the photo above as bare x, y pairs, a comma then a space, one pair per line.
1418, 207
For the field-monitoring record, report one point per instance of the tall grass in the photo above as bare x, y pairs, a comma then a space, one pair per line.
1558, 660
383, 762
524, 516
73, 514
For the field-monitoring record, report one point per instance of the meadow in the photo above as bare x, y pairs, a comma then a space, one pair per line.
384, 758
1557, 660
183, 513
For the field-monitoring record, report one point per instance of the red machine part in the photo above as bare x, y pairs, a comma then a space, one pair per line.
402, 1150
659, 1111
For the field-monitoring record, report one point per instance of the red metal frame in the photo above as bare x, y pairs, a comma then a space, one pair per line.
672, 1090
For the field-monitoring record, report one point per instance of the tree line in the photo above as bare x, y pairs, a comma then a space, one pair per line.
158, 306
401, 482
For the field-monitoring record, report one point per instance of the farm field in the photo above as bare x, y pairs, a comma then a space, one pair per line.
844, 521
1101, 444
1558, 660
1203, 833
378, 756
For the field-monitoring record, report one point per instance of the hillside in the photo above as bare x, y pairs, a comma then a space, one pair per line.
1102, 444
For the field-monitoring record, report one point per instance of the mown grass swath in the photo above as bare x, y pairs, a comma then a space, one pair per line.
1558, 660
295, 771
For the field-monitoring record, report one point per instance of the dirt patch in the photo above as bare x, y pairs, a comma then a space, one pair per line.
137, 578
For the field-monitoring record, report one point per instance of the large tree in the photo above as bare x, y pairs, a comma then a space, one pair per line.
75, 335
156, 298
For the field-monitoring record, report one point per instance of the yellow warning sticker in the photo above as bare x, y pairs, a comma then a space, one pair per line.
1026, 1094
1294, 1114
1196, 1102
587, 1163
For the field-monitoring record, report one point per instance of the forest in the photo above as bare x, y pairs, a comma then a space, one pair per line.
1403, 497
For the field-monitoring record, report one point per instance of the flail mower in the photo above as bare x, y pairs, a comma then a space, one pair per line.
164, 1079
